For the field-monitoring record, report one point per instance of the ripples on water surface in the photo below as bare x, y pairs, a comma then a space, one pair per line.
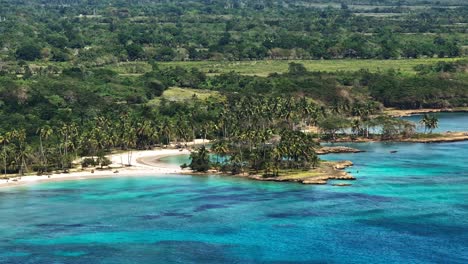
407, 207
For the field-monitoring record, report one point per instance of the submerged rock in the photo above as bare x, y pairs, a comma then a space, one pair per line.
316, 180
341, 184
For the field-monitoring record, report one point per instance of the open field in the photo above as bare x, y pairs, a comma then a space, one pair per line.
265, 67
184, 94
447, 4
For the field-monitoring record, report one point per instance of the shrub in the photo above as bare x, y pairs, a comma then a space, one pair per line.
86, 162
104, 161
200, 160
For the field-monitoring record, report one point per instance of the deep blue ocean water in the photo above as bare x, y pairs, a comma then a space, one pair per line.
407, 207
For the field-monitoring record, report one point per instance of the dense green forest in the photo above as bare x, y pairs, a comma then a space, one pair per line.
83, 78
103, 32
91, 112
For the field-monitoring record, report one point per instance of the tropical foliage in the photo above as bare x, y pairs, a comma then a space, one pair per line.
105, 32
64, 95
430, 122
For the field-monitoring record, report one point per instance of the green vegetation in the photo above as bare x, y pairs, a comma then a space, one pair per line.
98, 33
430, 122
200, 160
265, 80
267, 67
185, 94
426, 136
50, 120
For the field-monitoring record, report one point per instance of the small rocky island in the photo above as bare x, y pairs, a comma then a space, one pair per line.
336, 149
327, 170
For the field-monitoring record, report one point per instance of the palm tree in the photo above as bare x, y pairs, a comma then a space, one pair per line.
129, 139
166, 130
315, 160
277, 156
206, 127
220, 148
44, 133
20, 139
356, 126
68, 133
200, 160
430, 122
4, 140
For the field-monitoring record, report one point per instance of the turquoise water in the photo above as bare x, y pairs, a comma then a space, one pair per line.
406, 207
447, 122
179, 159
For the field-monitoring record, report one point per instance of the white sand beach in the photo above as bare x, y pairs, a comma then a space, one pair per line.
143, 163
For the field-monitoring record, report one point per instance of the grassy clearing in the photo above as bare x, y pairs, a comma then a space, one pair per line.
426, 135
364, 7
266, 67
185, 94
130, 68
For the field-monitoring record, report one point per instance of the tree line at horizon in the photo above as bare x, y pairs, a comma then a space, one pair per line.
102, 33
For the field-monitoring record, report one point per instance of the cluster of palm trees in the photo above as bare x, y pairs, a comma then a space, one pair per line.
20, 156
265, 134
265, 152
430, 122
56, 147
271, 134
14, 150
250, 115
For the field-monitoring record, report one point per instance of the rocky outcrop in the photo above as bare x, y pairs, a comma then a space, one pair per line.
329, 170
337, 149
438, 138
340, 165
340, 175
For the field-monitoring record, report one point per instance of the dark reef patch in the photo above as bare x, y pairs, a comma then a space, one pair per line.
205, 207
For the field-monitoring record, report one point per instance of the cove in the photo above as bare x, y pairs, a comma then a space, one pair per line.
405, 207
454, 122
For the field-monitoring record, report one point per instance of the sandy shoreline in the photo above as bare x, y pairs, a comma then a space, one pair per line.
401, 113
144, 163
147, 162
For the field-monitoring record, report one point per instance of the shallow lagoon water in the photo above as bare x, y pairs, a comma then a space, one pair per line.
455, 122
407, 207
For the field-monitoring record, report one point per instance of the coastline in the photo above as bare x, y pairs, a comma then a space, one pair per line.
144, 163
439, 138
409, 112
327, 170
147, 162
427, 138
